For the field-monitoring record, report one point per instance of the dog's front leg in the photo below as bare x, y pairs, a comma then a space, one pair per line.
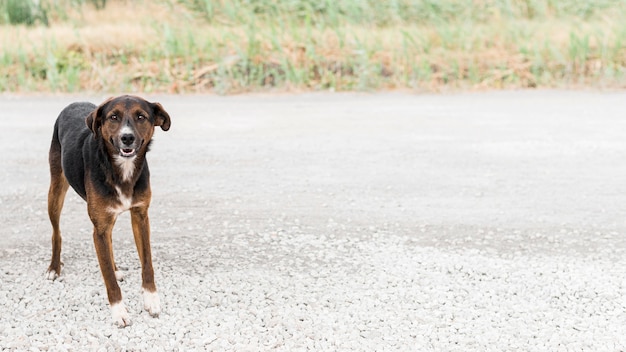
141, 232
103, 227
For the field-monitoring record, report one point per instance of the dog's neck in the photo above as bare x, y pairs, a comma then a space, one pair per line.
126, 167
126, 170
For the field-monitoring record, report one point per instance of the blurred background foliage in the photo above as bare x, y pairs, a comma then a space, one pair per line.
229, 46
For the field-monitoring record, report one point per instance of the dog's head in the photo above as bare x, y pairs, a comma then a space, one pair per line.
126, 124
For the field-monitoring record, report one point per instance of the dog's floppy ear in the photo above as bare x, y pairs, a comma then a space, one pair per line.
94, 119
161, 117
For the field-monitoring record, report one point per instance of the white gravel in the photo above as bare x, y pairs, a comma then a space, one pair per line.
302, 291
480, 222
298, 291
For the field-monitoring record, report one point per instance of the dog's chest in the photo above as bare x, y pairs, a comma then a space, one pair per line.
124, 202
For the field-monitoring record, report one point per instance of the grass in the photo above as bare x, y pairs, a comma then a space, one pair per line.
232, 46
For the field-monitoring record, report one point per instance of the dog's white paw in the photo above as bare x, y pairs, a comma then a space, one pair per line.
151, 302
119, 275
120, 315
51, 275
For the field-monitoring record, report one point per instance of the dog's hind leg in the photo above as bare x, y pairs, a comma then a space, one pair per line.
56, 197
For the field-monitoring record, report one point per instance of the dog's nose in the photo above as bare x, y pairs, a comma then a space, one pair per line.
128, 138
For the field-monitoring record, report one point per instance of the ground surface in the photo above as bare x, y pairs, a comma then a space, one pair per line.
491, 221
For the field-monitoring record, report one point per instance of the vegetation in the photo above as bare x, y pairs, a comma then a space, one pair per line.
230, 46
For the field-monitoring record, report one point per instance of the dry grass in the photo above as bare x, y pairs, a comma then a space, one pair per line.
164, 46
123, 25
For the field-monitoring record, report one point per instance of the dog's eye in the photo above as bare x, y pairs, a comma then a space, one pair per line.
113, 117
140, 117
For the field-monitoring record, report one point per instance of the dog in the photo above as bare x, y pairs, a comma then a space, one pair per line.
101, 152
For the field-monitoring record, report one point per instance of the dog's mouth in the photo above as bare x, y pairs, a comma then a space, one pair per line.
128, 152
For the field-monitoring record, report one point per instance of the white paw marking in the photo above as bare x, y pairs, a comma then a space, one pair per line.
151, 302
119, 275
120, 314
51, 275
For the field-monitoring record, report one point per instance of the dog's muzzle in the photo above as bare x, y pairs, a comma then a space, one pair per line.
127, 145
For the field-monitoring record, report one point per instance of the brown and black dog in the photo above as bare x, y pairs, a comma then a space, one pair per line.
101, 152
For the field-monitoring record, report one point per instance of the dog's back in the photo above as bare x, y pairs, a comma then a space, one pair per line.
70, 127
70, 136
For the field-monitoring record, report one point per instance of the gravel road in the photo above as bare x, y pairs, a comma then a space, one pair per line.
338, 222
